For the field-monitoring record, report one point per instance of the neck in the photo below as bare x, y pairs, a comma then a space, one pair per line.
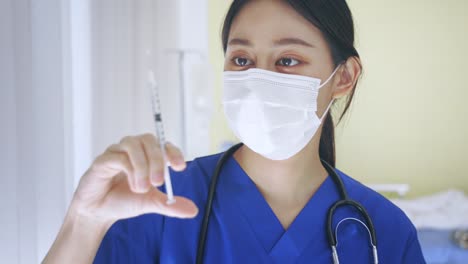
285, 183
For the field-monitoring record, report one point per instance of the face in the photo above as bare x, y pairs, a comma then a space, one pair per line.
272, 36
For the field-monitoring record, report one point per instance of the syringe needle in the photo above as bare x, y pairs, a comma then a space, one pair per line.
160, 133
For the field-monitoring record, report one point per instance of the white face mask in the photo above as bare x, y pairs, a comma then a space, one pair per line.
274, 114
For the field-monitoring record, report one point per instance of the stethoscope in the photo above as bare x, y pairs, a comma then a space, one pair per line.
332, 238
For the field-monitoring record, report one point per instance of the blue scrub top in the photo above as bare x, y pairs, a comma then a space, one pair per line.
244, 229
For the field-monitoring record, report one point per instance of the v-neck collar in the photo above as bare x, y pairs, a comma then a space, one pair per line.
278, 242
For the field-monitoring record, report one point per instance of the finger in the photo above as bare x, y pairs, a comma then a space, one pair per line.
155, 202
116, 149
155, 159
134, 149
110, 164
175, 157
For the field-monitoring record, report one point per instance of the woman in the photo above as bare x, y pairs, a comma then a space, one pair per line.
285, 64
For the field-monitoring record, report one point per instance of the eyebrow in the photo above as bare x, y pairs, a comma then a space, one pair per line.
293, 41
280, 42
238, 41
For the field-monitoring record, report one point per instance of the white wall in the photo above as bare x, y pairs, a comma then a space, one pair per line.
198, 77
80, 79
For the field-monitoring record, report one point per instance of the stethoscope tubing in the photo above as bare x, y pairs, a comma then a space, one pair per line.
209, 202
344, 201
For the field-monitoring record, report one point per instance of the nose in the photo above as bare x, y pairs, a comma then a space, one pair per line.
264, 63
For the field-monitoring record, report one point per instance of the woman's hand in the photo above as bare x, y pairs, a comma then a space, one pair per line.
119, 184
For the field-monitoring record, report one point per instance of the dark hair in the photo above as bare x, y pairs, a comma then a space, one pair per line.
334, 19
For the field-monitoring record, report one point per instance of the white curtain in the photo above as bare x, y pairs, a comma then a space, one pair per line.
72, 81
127, 38
35, 181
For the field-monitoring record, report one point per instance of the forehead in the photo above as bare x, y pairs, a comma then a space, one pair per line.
269, 20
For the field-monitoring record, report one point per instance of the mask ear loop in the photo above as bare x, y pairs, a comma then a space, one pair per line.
331, 76
326, 110
333, 99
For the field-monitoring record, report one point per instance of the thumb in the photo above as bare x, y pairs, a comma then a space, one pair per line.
155, 201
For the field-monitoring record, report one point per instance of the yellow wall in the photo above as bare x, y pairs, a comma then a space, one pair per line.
409, 120
216, 11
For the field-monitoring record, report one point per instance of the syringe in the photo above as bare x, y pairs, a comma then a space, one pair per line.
160, 133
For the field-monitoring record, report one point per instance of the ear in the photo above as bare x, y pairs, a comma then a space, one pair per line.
346, 77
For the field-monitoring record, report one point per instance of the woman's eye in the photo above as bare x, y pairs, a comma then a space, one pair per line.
288, 62
242, 61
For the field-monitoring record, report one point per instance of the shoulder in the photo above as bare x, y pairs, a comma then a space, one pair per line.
376, 204
380, 208
394, 230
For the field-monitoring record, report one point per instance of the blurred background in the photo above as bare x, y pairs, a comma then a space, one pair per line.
73, 80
